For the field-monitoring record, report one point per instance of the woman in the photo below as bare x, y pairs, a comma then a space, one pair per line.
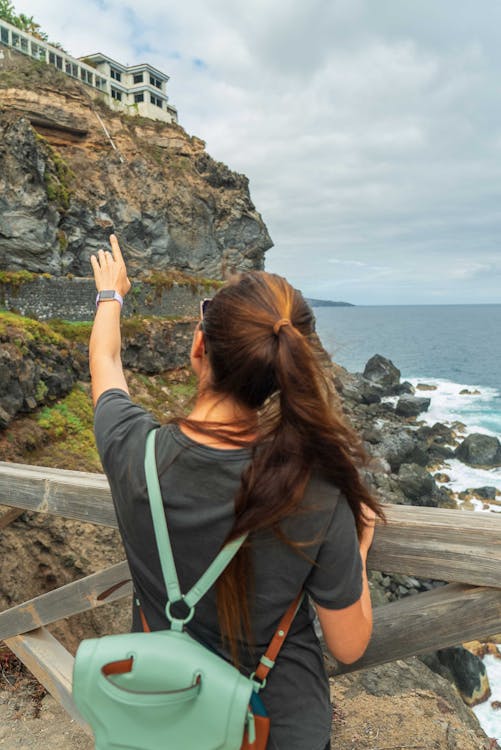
261, 452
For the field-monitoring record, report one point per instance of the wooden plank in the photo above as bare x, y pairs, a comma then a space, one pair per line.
72, 494
7, 518
446, 616
79, 596
51, 664
448, 545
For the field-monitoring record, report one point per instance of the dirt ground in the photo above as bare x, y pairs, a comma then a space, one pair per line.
386, 708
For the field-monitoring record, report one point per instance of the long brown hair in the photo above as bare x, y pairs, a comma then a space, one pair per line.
258, 336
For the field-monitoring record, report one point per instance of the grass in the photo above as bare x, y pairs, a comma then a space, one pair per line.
69, 427
16, 278
72, 330
164, 280
21, 330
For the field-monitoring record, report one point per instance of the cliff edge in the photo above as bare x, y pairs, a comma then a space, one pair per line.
72, 170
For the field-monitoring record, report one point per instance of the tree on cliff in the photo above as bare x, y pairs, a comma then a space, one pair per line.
23, 22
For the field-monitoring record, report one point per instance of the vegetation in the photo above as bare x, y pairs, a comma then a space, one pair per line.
22, 330
72, 330
16, 278
69, 426
58, 184
164, 280
24, 23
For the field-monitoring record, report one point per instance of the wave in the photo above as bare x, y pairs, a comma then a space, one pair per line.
479, 410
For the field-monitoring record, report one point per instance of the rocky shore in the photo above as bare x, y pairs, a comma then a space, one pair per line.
407, 458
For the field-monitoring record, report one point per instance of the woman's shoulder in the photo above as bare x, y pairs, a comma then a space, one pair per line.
322, 494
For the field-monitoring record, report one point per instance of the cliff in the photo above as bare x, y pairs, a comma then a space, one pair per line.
72, 170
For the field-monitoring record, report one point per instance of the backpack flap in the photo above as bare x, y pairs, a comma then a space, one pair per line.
174, 693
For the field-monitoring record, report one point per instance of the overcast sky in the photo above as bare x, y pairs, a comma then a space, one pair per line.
370, 130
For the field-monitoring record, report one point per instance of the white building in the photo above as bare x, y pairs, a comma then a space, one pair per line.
138, 89
141, 87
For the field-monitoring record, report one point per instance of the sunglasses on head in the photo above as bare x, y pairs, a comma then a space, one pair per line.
204, 304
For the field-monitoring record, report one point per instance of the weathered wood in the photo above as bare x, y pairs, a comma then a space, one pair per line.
51, 664
448, 545
79, 596
7, 518
72, 494
446, 616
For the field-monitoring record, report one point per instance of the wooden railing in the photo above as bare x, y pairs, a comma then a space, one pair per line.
460, 547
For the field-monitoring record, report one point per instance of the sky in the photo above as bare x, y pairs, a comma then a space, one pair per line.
370, 130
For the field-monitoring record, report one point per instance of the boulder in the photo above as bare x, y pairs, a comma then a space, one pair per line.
418, 485
404, 387
487, 492
468, 673
361, 391
382, 371
411, 406
396, 447
479, 450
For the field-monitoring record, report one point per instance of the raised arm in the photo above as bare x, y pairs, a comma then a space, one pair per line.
105, 361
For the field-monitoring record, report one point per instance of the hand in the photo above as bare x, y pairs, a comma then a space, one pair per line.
367, 535
109, 269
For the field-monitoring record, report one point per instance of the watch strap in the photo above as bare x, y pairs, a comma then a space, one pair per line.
109, 294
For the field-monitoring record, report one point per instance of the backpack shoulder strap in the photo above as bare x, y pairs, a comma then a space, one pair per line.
267, 661
164, 546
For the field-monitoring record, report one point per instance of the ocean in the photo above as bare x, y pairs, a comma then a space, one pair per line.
450, 347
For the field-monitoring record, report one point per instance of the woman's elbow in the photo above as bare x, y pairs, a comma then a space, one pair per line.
346, 638
349, 654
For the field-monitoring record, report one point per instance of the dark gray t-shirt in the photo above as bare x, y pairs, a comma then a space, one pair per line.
198, 486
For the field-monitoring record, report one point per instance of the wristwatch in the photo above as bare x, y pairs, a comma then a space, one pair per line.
108, 294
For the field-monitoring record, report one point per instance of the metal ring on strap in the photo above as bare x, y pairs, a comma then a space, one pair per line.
181, 620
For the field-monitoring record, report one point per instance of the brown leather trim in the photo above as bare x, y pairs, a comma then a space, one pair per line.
118, 667
278, 639
108, 592
146, 627
262, 725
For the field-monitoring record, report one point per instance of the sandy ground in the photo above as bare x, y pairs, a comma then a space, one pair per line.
387, 708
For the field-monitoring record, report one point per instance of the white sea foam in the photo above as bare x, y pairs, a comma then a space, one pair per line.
464, 477
479, 412
490, 720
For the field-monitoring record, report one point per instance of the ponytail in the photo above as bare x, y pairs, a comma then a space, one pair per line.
259, 335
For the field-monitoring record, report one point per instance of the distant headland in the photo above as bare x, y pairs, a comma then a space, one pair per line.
327, 303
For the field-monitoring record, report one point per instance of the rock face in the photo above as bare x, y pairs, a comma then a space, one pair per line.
480, 450
33, 370
39, 365
402, 705
64, 185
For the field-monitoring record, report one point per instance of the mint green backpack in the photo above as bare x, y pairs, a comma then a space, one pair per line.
164, 690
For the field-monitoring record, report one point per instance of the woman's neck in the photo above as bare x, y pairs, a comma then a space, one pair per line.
222, 412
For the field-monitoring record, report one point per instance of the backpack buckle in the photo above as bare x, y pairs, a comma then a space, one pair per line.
257, 683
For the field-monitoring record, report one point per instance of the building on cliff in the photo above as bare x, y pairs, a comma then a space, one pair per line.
136, 89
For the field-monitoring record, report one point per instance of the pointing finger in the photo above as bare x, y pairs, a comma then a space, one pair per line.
115, 248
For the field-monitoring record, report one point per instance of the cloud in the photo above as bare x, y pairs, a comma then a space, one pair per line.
369, 131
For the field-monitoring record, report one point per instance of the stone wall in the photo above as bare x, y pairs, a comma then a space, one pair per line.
74, 299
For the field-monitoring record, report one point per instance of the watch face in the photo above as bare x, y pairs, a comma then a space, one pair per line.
107, 294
